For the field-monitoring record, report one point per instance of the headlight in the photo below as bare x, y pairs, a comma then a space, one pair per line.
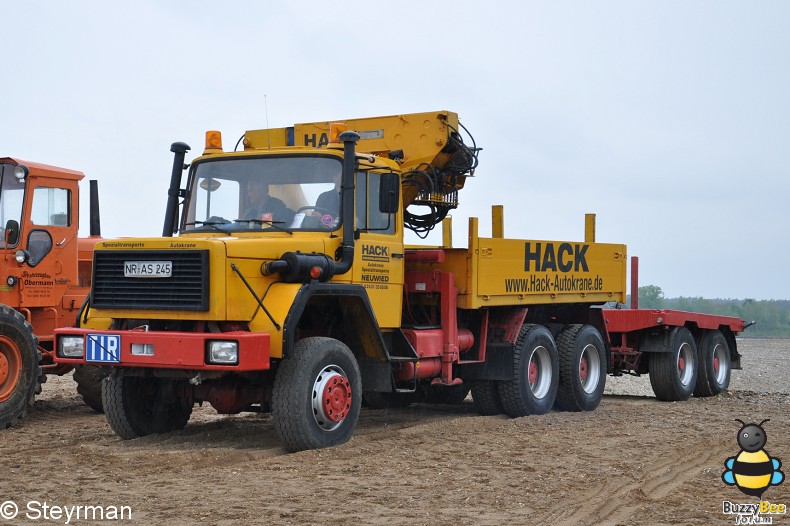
21, 171
21, 256
71, 347
223, 352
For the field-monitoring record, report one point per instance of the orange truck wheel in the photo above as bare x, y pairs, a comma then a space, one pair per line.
20, 371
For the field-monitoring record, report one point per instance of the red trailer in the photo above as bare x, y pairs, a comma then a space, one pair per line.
662, 342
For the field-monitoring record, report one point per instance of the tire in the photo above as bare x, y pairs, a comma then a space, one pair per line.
673, 373
714, 364
137, 406
485, 395
445, 394
89, 379
316, 395
536, 374
20, 366
582, 358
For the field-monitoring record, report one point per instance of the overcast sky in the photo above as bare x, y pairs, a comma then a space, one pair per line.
668, 119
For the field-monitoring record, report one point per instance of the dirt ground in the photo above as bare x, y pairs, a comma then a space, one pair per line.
633, 460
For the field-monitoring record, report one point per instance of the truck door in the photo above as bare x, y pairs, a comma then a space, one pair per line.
378, 259
50, 238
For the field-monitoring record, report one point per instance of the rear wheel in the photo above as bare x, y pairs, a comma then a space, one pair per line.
485, 395
582, 368
20, 370
316, 395
88, 379
536, 373
673, 373
714, 364
137, 406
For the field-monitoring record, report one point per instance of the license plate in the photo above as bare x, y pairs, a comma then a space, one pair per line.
104, 348
147, 269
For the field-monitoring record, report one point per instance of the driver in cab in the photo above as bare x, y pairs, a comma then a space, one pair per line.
327, 206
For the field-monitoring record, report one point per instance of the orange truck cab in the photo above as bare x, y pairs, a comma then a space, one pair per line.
45, 274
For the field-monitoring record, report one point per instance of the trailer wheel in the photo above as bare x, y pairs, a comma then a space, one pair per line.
20, 368
88, 379
137, 406
316, 395
715, 367
582, 368
485, 395
673, 373
536, 374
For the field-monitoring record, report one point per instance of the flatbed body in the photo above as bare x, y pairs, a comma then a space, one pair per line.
627, 320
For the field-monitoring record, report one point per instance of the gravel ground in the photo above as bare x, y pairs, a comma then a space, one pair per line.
633, 460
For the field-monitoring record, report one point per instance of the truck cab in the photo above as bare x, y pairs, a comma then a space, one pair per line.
43, 277
264, 203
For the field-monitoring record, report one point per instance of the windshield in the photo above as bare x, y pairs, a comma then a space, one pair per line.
281, 193
12, 195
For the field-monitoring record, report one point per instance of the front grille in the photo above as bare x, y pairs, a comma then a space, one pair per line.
186, 289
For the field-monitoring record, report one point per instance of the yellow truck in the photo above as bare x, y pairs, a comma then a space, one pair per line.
289, 289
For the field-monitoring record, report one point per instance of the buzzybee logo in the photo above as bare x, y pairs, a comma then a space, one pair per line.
752, 470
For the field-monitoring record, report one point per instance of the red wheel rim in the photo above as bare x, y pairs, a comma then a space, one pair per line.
533, 373
716, 364
681, 364
336, 398
583, 367
10, 367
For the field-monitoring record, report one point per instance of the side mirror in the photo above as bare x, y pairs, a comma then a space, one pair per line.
11, 233
389, 193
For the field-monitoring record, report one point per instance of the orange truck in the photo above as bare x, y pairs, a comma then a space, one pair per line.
46, 275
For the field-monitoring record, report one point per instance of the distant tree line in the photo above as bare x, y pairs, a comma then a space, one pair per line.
772, 316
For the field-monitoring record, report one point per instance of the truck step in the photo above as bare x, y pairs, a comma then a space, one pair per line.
401, 351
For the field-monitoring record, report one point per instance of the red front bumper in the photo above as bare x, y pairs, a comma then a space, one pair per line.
171, 350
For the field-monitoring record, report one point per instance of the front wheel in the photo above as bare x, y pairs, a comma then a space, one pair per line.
673, 372
714, 364
533, 389
20, 370
88, 379
316, 395
136, 406
582, 368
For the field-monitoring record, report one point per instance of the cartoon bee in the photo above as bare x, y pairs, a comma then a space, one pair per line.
752, 470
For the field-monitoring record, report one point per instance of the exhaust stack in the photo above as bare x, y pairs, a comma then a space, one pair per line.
95, 221
174, 192
349, 139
